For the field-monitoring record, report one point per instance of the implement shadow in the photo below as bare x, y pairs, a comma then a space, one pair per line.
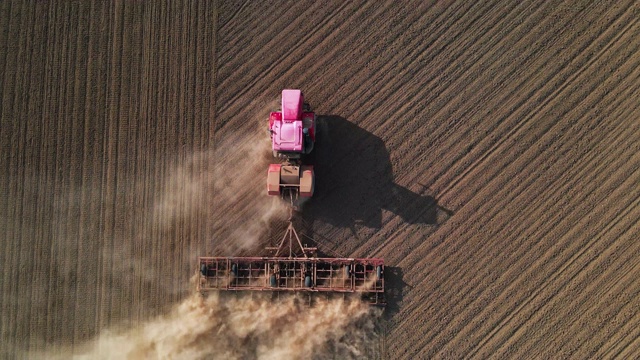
394, 289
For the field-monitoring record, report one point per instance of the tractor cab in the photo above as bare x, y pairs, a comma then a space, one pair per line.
292, 128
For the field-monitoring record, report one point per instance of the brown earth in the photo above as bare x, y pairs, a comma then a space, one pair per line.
488, 151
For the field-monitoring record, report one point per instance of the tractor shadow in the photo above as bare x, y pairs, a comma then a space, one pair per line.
354, 180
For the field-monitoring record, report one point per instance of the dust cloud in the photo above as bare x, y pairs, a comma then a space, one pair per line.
237, 327
229, 180
229, 326
226, 186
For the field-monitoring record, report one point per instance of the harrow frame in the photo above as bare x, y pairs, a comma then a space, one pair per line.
294, 274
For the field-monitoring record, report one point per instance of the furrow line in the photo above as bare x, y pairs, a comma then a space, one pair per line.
476, 211
460, 268
557, 303
556, 275
518, 127
272, 65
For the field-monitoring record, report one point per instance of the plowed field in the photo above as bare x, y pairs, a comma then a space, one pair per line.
488, 151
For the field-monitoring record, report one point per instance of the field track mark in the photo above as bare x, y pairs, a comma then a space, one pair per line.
595, 256
543, 104
354, 97
79, 109
49, 136
625, 343
6, 178
5, 22
390, 239
419, 94
235, 13
418, 49
516, 220
515, 129
26, 228
550, 315
353, 44
470, 284
393, 87
554, 278
107, 194
56, 158
8, 82
429, 90
453, 130
273, 65
511, 194
632, 330
593, 154
317, 59
621, 281
630, 351
37, 235
461, 69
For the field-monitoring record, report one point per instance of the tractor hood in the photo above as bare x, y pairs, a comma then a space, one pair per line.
292, 104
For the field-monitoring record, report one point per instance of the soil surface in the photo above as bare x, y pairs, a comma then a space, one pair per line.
488, 151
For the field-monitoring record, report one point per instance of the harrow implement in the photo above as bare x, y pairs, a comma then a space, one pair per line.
298, 271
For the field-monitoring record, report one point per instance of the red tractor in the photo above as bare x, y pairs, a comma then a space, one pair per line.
293, 133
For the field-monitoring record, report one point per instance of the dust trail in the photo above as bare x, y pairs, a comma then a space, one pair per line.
230, 327
224, 187
230, 192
